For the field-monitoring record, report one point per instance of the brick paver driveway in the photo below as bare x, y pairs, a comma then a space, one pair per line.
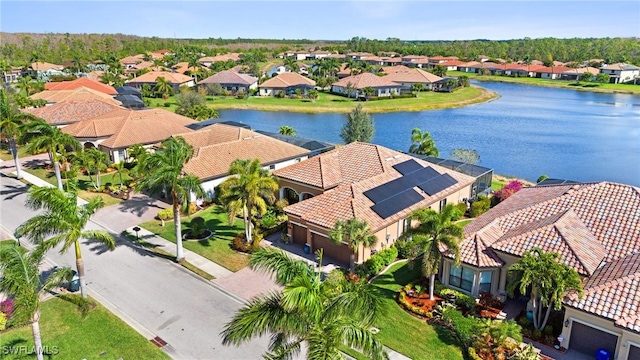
138, 209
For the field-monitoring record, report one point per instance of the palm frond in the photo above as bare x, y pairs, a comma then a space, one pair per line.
100, 236
278, 262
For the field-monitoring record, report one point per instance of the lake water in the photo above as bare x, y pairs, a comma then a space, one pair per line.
527, 132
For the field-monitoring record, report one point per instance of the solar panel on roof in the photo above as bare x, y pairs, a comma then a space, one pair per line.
408, 166
437, 184
397, 203
384, 191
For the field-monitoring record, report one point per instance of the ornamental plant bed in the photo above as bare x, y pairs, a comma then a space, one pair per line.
420, 301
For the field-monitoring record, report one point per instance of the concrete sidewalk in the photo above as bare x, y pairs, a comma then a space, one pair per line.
196, 260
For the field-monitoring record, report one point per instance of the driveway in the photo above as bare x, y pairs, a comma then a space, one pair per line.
128, 213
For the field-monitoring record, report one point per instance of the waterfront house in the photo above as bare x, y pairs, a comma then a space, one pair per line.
174, 79
574, 74
286, 84
218, 145
621, 72
368, 182
232, 81
550, 72
355, 84
595, 227
408, 78
115, 131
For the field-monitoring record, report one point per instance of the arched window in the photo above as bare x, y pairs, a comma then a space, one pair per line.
291, 195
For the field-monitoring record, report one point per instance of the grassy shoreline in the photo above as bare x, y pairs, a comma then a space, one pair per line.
558, 84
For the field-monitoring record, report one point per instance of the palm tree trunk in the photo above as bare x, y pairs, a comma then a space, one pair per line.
37, 338
178, 226
80, 268
56, 167
247, 225
352, 263
546, 317
98, 177
432, 283
14, 152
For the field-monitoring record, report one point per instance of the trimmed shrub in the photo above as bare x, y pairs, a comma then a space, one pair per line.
480, 206
388, 255
165, 214
462, 207
463, 326
548, 330
462, 299
197, 227
3, 321
268, 221
239, 244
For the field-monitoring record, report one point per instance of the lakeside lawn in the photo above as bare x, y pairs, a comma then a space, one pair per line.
405, 333
564, 84
218, 247
99, 335
326, 102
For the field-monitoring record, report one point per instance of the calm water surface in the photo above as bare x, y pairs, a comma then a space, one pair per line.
527, 132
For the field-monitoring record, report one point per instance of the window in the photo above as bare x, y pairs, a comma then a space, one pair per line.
461, 277
485, 281
443, 203
272, 167
406, 223
297, 160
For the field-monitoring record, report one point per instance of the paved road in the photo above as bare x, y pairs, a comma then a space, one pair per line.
161, 297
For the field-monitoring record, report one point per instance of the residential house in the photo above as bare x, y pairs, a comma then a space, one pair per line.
12, 74
359, 55
355, 84
471, 66
483, 58
68, 112
319, 54
208, 60
183, 67
621, 72
574, 74
415, 61
391, 69
407, 79
551, 72
81, 93
344, 71
176, 80
130, 61
286, 84
115, 131
42, 70
391, 61
81, 82
218, 145
366, 181
231, 81
595, 227
436, 60
451, 64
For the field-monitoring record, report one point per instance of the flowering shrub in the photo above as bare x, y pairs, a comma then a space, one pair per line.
511, 188
6, 307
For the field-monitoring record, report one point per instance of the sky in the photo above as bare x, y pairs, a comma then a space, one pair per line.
328, 20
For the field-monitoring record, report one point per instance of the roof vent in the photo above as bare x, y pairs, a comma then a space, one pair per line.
397, 156
246, 138
388, 159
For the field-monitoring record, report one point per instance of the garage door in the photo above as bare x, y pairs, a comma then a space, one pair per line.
634, 352
588, 340
339, 253
299, 234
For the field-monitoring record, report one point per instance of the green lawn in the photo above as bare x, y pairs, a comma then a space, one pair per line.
99, 335
464, 222
217, 248
5, 154
334, 103
583, 86
497, 184
407, 334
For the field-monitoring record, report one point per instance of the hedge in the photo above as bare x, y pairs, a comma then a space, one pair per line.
378, 261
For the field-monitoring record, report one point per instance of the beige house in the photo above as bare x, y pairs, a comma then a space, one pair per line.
115, 131
355, 84
286, 83
596, 229
175, 79
408, 78
368, 182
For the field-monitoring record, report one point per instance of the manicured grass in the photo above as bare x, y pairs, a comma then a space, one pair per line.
99, 335
497, 184
407, 334
333, 103
218, 247
565, 84
464, 222
5, 154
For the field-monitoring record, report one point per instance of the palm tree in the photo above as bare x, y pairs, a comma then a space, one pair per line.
44, 137
287, 130
166, 173
368, 91
163, 87
24, 83
306, 311
121, 170
423, 144
95, 161
249, 188
11, 126
549, 280
21, 280
355, 233
435, 230
62, 222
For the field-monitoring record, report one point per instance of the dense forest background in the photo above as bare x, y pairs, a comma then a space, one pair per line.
22, 48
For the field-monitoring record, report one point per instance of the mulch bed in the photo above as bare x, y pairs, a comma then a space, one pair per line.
423, 301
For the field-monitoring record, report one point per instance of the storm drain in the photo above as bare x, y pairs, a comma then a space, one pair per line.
157, 341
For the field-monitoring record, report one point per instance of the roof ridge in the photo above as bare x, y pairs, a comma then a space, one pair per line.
118, 133
321, 173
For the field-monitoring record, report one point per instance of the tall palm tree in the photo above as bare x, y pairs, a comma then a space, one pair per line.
121, 170
306, 311
248, 189
435, 230
24, 83
166, 173
287, 130
163, 87
423, 144
11, 125
21, 280
63, 222
549, 280
355, 233
95, 161
41, 137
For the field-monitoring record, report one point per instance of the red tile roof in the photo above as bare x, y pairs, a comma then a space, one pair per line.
364, 80
71, 111
349, 171
45, 66
286, 80
230, 77
552, 69
123, 128
83, 81
594, 226
413, 76
151, 77
81, 93
218, 145
393, 69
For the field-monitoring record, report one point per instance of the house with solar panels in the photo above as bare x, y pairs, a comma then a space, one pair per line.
368, 182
